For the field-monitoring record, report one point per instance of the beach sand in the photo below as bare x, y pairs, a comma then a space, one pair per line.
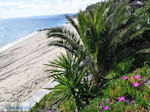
22, 69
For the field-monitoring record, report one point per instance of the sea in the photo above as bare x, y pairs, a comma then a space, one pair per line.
13, 30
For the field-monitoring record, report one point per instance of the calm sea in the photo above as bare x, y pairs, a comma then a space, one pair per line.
12, 30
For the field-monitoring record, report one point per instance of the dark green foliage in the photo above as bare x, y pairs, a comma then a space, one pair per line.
109, 36
111, 42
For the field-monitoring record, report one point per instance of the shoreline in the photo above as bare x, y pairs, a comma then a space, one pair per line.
7, 46
26, 37
18, 41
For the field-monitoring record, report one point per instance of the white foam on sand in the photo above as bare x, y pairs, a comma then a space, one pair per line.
18, 41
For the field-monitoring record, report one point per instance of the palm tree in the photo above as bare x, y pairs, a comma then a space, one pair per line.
107, 36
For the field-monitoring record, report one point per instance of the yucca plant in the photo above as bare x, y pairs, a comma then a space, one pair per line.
107, 36
72, 75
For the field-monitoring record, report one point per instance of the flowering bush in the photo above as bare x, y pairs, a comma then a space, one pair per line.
129, 93
132, 90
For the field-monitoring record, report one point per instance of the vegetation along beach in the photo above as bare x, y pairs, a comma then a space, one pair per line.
96, 59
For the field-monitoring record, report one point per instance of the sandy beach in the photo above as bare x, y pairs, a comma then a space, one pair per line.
22, 72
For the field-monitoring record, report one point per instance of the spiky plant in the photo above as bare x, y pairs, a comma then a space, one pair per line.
109, 35
72, 76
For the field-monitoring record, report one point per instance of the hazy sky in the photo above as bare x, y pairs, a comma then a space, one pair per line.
23, 8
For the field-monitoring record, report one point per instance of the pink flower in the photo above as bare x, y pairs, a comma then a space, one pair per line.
137, 77
136, 71
136, 84
121, 98
124, 77
49, 111
106, 107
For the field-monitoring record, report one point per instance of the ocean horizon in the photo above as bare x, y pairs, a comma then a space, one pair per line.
14, 30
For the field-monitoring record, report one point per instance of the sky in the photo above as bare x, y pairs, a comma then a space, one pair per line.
25, 8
